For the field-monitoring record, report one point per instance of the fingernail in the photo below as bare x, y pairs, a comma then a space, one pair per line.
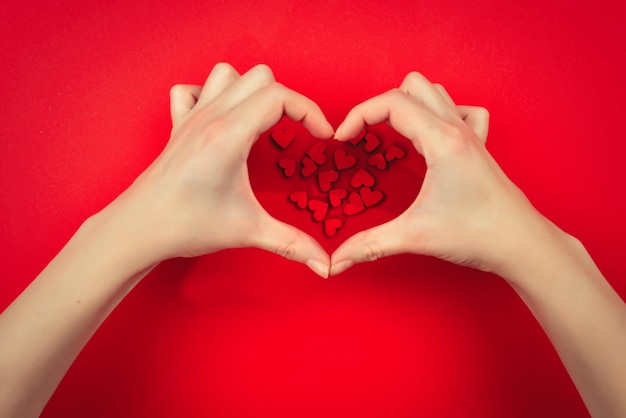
330, 128
340, 267
318, 267
338, 131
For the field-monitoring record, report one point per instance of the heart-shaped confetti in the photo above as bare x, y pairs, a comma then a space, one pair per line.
336, 196
283, 137
319, 209
370, 197
317, 153
362, 178
308, 167
299, 198
326, 179
355, 204
331, 226
371, 142
377, 160
394, 153
288, 166
343, 161
344, 186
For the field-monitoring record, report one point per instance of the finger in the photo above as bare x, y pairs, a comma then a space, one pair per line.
444, 93
183, 98
255, 79
476, 118
405, 114
381, 241
222, 75
267, 106
417, 86
293, 244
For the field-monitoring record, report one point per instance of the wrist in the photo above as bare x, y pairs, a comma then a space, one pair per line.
120, 241
540, 254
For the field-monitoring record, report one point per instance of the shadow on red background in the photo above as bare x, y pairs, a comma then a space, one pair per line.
244, 333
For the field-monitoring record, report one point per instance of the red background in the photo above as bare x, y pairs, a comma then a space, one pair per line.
84, 90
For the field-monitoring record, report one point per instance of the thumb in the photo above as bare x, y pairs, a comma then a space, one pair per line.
293, 244
369, 245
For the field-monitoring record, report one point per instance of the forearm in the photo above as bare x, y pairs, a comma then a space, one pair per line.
46, 327
582, 315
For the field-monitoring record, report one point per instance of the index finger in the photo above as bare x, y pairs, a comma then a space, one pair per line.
267, 106
405, 114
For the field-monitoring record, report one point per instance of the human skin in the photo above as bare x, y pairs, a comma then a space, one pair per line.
196, 199
468, 212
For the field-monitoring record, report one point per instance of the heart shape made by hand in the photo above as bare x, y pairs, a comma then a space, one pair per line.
333, 189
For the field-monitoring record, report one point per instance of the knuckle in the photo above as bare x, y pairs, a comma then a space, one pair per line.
287, 251
264, 73
373, 251
413, 78
396, 94
176, 91
482, 113
223, 67
275, 92
224, 71
277, 88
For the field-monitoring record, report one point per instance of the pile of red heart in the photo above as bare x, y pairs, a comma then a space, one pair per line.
344, 186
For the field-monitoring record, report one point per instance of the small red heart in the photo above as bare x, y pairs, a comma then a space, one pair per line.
283, 137
370, 197
331, 226
355, 204
299, 198
377, 160
371, 142
336, 196
319, 208
288, 166
326, 179
394, 153
362, 178
311, 195
308, 167
317, 152
358, 138
343, 161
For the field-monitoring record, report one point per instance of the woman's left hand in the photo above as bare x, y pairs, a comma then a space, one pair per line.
196, 198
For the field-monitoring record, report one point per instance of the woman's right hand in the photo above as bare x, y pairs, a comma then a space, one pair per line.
467, 212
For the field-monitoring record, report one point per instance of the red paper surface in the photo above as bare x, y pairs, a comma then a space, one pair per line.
243, 333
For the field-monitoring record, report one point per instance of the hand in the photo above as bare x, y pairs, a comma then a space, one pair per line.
196, 197
467, 212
